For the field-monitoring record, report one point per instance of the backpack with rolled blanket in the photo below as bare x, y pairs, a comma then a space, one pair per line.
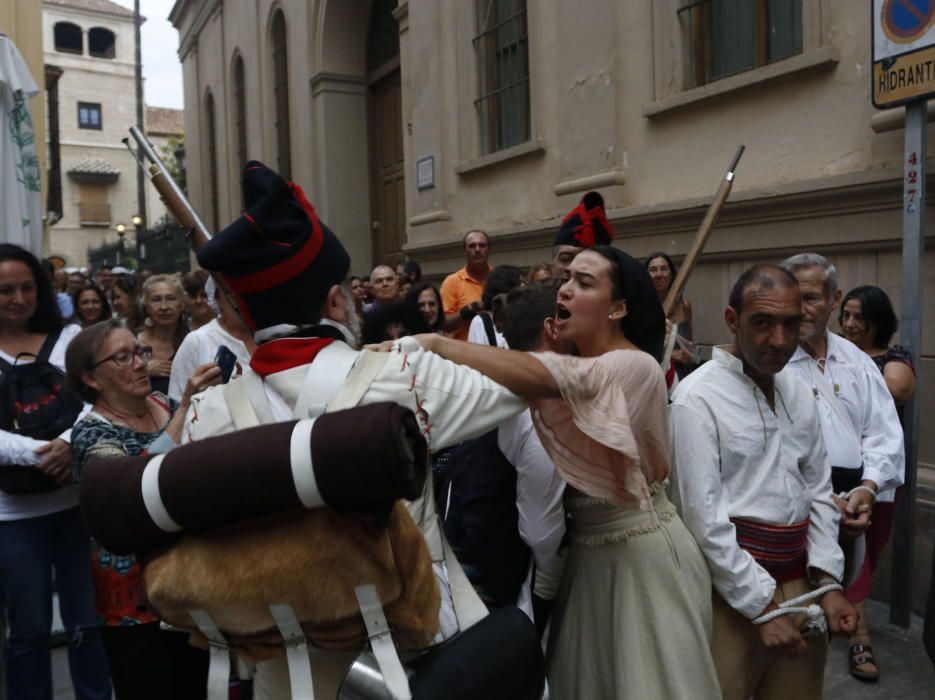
256, 538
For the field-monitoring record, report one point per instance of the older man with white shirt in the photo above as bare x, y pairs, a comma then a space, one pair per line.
859, 422
753, 483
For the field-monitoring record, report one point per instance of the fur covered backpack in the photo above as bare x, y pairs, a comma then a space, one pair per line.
263, 535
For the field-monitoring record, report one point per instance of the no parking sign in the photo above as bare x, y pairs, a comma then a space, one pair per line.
903, 51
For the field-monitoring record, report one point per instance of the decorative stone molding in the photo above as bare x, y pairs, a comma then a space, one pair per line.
610, 178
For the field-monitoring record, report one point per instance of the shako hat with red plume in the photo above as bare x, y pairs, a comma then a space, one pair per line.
278, 258
586, 224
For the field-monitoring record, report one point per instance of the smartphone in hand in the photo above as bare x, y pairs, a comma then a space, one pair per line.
225, 359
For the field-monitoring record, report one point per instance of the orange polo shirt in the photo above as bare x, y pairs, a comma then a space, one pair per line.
458, 290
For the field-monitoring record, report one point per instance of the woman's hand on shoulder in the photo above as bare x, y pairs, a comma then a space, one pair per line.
428, 341
204, 376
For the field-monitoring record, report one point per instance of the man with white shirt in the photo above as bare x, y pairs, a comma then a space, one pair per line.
507, 492
859, 422
753, 483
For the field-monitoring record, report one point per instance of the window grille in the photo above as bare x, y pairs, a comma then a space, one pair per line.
726, 37
502, 51
240, 112
281, 96
211, 134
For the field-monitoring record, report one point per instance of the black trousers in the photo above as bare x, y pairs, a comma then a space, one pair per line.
149, 663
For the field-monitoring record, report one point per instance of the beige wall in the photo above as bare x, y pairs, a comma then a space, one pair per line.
610, 111
21, 20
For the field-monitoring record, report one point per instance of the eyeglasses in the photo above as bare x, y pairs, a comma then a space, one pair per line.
124, 358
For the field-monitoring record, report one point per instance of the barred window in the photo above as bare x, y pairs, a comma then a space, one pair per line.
281, 96
240, 112
212, 160
725, 37
502, 51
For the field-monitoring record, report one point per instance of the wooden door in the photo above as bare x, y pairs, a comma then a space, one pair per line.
387, 170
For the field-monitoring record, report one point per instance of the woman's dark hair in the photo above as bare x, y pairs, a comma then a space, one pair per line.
413, 270
105, 305
81, 356
377, 319
501, 280
645, 323
659, 254
877, 311
47, 317
127, 285
412, 299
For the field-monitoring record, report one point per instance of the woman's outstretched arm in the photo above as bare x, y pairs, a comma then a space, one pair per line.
519, 372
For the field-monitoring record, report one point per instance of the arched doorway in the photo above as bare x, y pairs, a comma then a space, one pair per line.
385, 135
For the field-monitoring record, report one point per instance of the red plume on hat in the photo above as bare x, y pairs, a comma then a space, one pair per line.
586, 225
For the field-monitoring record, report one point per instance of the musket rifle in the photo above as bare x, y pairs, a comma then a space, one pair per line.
196, 233
701, 237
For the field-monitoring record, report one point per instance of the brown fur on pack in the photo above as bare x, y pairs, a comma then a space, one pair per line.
312, 560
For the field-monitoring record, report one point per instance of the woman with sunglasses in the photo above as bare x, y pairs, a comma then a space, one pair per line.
107, 367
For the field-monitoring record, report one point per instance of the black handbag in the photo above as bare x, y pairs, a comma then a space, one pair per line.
35, 402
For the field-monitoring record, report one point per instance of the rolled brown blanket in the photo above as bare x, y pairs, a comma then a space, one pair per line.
361, 458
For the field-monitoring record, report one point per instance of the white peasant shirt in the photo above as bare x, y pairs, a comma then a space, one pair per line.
733, 456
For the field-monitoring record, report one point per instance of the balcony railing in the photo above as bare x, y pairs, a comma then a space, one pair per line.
94, 214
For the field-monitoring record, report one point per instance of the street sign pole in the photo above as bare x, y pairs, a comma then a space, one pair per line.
914, 175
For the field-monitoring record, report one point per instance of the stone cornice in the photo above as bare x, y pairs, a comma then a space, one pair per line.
854, 193
189, 40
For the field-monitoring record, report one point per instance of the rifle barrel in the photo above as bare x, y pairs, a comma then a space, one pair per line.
701, 237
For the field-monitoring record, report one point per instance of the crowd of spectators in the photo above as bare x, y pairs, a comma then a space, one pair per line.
161, 334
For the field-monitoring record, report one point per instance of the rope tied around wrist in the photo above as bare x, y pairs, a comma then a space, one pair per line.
846, 495
817, 624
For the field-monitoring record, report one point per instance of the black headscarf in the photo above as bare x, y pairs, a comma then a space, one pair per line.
645, 323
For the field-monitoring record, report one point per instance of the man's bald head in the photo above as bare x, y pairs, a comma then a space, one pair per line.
384, 283
759, 280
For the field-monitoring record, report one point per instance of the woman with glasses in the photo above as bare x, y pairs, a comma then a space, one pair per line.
164, 326
107, 367
42, 530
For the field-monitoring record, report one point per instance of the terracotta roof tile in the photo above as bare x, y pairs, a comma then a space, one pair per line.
93, 166
103, 6
162, 121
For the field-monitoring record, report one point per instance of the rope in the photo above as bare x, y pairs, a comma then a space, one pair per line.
847, 495
817, 624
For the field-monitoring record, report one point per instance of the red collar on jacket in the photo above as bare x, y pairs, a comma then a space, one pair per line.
285, 353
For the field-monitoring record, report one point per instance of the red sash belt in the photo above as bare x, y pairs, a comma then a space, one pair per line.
780, 549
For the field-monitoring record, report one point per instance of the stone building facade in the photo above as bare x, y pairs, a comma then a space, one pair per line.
409, 124
89, 51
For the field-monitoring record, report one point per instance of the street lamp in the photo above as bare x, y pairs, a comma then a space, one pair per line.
121, 231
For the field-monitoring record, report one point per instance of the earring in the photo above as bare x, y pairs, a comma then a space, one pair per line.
610, 316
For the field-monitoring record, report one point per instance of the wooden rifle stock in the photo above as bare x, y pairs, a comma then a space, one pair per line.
196, 233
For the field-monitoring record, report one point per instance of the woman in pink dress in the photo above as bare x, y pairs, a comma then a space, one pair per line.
633, 615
